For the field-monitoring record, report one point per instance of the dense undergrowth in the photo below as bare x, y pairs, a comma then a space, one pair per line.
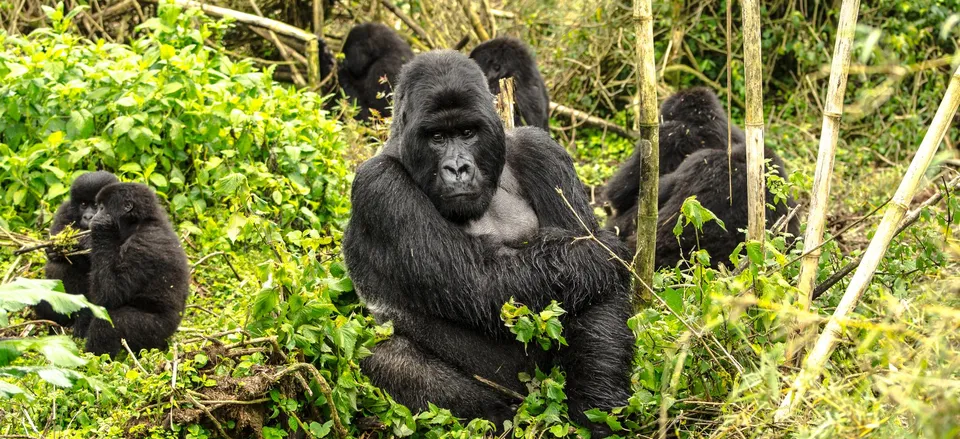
255, 175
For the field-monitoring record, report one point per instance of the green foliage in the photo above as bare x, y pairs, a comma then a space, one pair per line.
171, 112
59, 352
544, 327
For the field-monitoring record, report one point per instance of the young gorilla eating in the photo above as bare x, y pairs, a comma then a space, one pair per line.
371, 51
76, 212
507, 57
139, 272
414, 254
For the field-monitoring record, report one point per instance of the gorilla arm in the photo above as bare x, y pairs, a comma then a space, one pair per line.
402, 253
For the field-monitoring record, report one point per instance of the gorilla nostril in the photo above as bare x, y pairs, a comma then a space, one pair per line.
465, 170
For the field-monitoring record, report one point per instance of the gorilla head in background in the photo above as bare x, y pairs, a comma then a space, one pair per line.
507, 57
371, 51
83, 192
457, 130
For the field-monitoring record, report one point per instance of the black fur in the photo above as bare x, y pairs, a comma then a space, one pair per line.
506, 57
414, 263
372, 51
705, 174
139, 272
76, 212
690, 120
693, 161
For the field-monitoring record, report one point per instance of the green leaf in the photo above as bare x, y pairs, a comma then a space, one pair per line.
131, 167
235, 226
755, 252
674, 299
21, 293
126, 101
158, 180
8, 390
122, 125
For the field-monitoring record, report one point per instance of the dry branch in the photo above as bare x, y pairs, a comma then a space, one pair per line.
648, 148
474, 20
575, 115
875, 251
409, 22
248, 19
505, 103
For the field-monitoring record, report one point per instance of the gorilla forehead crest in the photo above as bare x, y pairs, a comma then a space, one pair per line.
86, 186
445, 79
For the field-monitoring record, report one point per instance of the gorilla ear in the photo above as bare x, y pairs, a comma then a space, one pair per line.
127, 206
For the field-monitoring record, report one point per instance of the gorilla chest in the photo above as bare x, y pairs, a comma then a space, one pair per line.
509, 219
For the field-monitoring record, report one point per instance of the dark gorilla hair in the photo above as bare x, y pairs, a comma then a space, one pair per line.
414, 260
139, 272
704, 174
693, 161
76, 212
506, 57
371, 51
690, 120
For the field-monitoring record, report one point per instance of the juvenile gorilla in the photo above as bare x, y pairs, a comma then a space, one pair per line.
693, 161
507, 57
139, 272
416, 250
76, 212
690, 120
371, 51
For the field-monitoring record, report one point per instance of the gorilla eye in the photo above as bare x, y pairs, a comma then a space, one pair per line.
468, 133
437, 137
83, 205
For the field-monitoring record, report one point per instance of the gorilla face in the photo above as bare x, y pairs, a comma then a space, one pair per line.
121, 206
452, 141
83, 193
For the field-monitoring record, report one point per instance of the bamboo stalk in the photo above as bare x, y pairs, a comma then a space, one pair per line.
649, 149
875, 251
908, 220
318, 18
832, 111
753, 64
313, 63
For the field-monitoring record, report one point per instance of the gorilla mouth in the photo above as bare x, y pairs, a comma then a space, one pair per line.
461, 194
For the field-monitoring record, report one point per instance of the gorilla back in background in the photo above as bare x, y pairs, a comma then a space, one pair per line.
372, 51
76, 212
507, 57
416, 259
693, 161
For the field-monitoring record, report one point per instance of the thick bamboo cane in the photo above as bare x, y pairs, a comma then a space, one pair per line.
875, 251
649, 147
832, 111
753, 64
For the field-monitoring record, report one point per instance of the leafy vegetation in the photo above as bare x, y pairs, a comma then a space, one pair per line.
255, 175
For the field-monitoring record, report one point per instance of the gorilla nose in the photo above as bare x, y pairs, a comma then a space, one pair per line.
457, 171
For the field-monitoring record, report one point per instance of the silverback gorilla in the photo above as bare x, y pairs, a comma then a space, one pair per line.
506, 57
414, 261
76, 212
139, 272
371, 51
693, 161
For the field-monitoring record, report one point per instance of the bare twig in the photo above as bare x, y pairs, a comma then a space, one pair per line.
409, 22
575, 115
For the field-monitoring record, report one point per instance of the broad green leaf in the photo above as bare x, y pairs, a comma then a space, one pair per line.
21, 293
8, 390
